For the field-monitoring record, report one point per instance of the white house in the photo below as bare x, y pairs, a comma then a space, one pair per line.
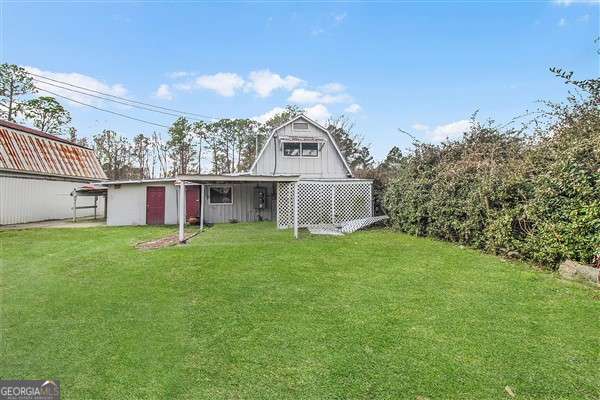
38, 172
300, 178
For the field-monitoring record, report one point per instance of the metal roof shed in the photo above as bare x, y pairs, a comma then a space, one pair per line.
38, 172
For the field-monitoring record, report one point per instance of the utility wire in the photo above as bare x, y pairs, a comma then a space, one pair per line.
103, 109
122, 98
113, 100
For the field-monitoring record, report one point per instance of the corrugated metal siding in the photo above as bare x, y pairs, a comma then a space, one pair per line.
26, 150
27, 200
242, 208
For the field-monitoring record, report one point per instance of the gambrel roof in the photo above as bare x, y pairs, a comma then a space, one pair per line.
314, 123
31, 151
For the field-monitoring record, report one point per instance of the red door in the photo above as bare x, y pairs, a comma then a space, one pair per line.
155, 205
192, 202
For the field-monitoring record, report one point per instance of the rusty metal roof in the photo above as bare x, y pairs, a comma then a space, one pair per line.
28, 150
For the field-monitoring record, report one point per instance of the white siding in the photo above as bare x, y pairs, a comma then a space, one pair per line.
327, 165
25, 199
127, 204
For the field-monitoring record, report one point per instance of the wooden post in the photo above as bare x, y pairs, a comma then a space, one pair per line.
371, 200
181, 212
95, 207
105, 205
74, 207
296, 210
201, 208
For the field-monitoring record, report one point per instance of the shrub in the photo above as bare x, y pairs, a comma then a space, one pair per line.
533, 193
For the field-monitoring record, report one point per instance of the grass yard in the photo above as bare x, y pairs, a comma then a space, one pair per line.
246, 312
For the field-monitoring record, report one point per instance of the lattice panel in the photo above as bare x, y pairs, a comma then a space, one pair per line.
285, 205
323, 203
352, 201
314, 204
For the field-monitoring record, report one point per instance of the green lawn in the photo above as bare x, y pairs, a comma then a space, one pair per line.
246, 312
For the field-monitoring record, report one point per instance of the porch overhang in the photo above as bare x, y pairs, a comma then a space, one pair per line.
238, 178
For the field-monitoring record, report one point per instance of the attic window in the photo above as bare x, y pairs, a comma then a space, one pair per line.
297, 149
300, 126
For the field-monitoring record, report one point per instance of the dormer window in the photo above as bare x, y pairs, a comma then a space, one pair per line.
301, 149
300, 126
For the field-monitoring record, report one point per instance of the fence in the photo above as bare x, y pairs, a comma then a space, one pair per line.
323, 203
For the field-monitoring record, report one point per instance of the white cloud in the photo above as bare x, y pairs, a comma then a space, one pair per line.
318, 112
562, 22
164, 92
317, 31
180, 74
268, 115
451, 130
223, 83
353, 108
584, 18
264, 82
567, 3
306, 96
420, 127
77, 79
333, 87
339, 18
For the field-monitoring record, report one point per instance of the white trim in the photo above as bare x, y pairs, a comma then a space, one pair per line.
202, 207
335, 146
239, 178
220, 186
182, 211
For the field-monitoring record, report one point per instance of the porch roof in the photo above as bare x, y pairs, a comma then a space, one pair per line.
238, 178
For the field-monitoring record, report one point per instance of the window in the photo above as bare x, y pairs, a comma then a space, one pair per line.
295, 149
220, 195
310, 149
302, 126
291, 149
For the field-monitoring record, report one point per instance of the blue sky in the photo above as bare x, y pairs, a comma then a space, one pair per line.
421, 66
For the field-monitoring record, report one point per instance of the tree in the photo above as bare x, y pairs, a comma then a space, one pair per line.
290, 112
392, 160
200, 130
357, 154
216, 144
72, 132
47, 114
140, 150
160, 151
247, 141
113, 152
14, 82
181, 146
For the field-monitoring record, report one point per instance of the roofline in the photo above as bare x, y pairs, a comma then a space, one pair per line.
240, 178
37, 132
40, 174
131, 181
315, 123
213, 178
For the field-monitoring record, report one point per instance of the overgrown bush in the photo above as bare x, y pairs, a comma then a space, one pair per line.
532, 192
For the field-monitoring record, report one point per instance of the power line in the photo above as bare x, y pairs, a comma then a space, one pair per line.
122, 98
113, 100
103, 109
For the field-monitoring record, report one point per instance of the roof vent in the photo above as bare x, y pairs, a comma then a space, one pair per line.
302, 126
